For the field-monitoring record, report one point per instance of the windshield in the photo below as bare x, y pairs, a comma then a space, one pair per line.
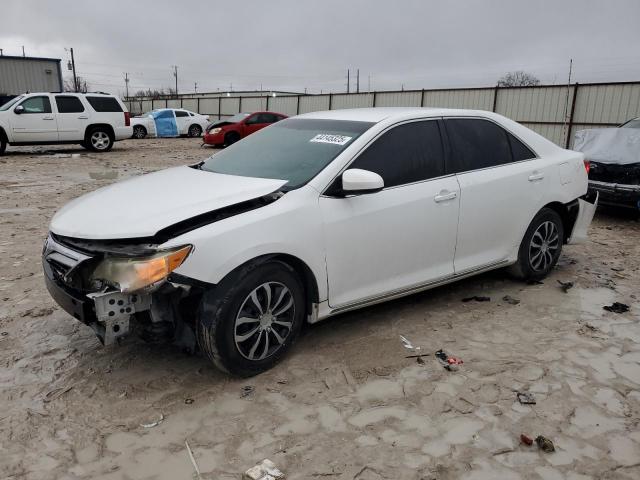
295, 150
635, 123
11, 102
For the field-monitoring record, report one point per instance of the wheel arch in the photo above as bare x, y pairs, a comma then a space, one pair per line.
3, 135
106, 126
568, 214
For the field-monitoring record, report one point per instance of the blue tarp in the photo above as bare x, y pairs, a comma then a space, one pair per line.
165, 121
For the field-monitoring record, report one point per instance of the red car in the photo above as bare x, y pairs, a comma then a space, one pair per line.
230, 130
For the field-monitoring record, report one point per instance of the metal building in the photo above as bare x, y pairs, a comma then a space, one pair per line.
29, 74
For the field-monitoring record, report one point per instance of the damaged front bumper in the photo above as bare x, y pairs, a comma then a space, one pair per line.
617, 194
108, 312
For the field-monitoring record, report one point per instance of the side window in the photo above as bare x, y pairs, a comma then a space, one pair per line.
405, 154
476, 144
104, 104
181, 113
164, 114
37, 105
519, 150
252, 120
69, 104
268, 118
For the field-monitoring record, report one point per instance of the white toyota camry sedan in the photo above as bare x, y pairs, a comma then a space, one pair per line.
310, 217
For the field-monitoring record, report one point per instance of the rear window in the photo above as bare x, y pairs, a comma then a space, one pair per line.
104, 104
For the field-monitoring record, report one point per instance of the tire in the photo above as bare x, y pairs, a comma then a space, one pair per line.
3, 146
99, 139
231, 138
541, 246
232, 331
195, 131
139, 132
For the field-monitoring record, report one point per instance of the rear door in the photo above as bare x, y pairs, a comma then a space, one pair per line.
72, 117
502, 184
401, 237
36, 123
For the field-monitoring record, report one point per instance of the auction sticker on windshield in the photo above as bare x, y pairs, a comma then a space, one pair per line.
328, 138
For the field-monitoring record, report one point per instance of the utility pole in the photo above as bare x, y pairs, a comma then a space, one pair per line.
23, 51
195, 87
348, 80
73, 66
369, 84
358, 81
126, 84
175, 74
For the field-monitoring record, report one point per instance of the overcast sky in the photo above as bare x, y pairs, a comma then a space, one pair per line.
296, 44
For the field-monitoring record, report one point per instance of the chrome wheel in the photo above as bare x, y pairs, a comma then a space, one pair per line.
195, 131
264, 321
543, 247
139, 132
100, 140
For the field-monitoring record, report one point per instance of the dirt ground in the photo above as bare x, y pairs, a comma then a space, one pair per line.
346, 403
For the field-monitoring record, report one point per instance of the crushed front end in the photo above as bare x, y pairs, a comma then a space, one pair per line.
618, 185
108, 284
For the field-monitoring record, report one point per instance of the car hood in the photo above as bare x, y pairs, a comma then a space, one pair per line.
143, 205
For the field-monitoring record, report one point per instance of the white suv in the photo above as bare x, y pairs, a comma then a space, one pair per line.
310, 217
94, 120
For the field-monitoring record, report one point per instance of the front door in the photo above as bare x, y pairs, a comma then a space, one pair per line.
73, 118
401, 237
36, 123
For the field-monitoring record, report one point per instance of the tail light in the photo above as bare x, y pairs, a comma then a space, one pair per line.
127, 119
587, 166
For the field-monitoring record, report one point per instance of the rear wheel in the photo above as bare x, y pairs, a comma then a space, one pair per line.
195, 131
231, 138
540, 247
251, 319
139, 132
3, 145
99, 139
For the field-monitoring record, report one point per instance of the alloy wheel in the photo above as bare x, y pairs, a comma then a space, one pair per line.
543, 246
100, 140
264, 321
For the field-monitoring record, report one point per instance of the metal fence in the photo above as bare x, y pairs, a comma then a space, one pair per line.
554, 111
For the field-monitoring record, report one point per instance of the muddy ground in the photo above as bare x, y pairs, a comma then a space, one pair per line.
346, 403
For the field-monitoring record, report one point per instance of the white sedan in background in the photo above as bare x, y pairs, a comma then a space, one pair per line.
169, 122
314, 216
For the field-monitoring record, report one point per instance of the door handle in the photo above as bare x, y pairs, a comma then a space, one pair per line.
83, 117
535, 176
444, 196
47, 118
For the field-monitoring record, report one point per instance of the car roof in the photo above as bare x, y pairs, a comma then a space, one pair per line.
378, 114
70, 93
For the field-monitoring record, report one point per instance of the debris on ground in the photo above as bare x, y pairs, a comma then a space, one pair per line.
38, 312
188, 401
545, 444
527, 440
477, 298
246, 391
565, 286
617, 307
193, 460
510, 300
448, 362
526, 398
265, 470
534, 282
407, 344
153, 424
55, 393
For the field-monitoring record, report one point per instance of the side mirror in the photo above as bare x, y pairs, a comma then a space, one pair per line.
18, 110
356, 180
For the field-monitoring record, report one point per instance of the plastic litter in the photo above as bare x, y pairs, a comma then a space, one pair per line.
477, 298
526, 398
153, 424
565, 286
265, 470
526, 439
246, 391
510, 300
545, 444
193, 460
188, 401
617, 307
450, 363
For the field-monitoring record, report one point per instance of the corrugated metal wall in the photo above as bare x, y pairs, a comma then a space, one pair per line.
555, 112
19, 75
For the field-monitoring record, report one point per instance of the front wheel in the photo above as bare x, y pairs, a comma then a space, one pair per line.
231, 138
3, 145
540, 247
195, 131
139, 132
251, 319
